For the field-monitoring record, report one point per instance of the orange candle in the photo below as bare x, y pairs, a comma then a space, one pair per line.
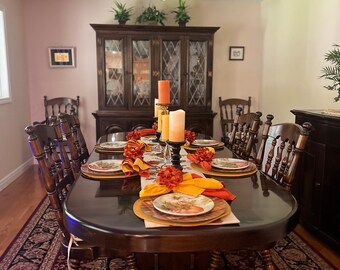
165, 126
176, 126
164, 92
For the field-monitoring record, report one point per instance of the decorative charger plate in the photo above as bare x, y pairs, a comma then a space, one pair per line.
251, 169
204, 143
180, 204
229, 163
107, 165
113, 145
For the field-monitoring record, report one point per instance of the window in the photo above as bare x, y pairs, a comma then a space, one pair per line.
4, 81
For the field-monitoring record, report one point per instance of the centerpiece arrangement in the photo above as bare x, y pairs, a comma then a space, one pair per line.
151, 14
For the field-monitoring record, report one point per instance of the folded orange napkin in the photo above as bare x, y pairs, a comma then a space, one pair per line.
172, 179
203, 157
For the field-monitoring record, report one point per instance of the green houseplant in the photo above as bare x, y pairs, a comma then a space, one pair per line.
122, 13
182, 16
332, 72
151, 14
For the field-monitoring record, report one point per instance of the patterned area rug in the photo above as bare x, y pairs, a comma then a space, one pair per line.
37, 247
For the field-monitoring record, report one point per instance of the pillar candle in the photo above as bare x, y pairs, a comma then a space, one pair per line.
177, 126
165, 126
164, 92
156, 108
159, 122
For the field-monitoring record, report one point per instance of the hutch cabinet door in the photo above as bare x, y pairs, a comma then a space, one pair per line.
130, 61
141, 95
111, 74
171, 67
199, 73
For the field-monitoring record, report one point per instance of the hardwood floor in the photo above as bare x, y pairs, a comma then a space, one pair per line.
18, 201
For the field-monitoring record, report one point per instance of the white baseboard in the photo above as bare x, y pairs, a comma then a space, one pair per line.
9, 178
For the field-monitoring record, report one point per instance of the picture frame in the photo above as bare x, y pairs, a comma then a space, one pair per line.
236, 53
61, 57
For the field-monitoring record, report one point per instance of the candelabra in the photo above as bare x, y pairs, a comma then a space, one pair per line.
158, 134
175, 155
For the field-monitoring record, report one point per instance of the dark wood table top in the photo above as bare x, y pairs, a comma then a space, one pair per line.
100, 212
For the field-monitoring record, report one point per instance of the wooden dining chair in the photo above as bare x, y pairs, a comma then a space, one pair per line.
243, 137
71, 127
57, 105
278, 157
48, 149
228, 113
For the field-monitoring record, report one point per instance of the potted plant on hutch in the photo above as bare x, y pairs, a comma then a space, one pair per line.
122, 13
182, 16
332, 72
151, 15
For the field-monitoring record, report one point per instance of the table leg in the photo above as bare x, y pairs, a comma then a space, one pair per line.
215, 257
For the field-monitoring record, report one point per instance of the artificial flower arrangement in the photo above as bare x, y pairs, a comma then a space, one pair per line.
203, 157
138, 133
190, 136
133, 162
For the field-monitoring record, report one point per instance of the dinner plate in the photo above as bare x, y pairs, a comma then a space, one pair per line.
205, 143
107, 165
113, 145
179, 204
229, 163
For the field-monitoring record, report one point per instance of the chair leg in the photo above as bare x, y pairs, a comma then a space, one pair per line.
131, 261
267, 259
73, 264
215, 257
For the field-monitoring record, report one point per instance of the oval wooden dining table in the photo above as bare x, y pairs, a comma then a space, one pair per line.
100, 212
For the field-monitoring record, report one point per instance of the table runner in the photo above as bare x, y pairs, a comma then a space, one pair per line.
186, 164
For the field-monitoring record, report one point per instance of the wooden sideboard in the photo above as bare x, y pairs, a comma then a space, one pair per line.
317, 186
130, 61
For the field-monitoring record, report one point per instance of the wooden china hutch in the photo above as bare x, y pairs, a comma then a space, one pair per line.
317, 187
130, 61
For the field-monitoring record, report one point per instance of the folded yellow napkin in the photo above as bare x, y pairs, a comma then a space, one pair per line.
130, 166
188, 185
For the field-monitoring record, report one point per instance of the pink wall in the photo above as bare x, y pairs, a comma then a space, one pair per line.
66, 23
63, 23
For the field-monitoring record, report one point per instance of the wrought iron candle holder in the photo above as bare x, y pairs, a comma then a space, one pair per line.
175, 155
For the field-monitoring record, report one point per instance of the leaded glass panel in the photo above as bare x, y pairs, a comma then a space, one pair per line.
114, 75
197, 73
171, 68
141, 73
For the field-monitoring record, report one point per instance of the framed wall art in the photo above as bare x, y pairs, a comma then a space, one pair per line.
62, 56
236, 53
